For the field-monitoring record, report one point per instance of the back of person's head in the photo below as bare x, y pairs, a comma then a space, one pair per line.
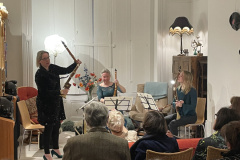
235, 103
115, 121
96, 114
224, 116
154, 123
232, 135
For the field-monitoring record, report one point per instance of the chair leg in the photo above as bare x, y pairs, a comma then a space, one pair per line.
203, 130
22, 144
179, 131
189, 129
30, 140
185, 132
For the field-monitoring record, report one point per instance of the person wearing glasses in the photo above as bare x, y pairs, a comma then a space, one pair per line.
49, 101
223, 116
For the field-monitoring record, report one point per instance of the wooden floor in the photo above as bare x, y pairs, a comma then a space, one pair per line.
37, 154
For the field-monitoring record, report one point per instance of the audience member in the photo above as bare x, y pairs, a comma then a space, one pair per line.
98, 143
231, 132
155, 139
235, 103
223, 116
116, 124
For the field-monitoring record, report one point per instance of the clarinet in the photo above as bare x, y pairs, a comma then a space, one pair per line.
115, 89
175, 94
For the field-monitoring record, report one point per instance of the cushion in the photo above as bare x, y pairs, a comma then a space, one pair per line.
32, 107
25, 93
184, 144
138, 103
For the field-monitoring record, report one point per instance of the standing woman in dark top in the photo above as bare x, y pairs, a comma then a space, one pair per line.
106, 88
186, 103
49, 100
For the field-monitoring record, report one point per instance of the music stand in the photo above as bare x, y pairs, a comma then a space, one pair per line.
147, 101
118, 103
84, 126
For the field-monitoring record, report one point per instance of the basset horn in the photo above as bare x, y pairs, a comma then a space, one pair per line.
67, 85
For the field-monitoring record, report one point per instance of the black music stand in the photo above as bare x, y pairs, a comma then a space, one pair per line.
147, 101
118, 103
84, 126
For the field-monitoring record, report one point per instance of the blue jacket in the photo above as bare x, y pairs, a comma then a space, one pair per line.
157, 143
190, 102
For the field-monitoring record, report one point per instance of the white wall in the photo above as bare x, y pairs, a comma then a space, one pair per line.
223, 56
169, 45
122, 36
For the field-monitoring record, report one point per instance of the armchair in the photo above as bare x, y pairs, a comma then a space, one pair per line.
137, 112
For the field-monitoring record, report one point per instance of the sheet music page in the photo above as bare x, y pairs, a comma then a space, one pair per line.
147, 101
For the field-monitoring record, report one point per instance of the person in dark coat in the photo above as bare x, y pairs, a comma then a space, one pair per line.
98, 143
156, 139
49, 101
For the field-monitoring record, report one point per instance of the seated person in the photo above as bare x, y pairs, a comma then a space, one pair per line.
231, 132
98, 143
185, 104
115, 124
223, 116
235, 104
106, 88
155, 139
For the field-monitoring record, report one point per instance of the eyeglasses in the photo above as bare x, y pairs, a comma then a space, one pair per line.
46, 58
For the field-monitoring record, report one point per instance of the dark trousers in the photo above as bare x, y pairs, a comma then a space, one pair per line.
173, 124
51, 131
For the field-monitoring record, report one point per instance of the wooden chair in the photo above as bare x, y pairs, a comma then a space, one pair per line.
6, 138
26, 122
200, 110
186, 155
25, 93
215, 153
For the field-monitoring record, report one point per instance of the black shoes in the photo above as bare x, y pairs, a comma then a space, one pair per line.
56, 154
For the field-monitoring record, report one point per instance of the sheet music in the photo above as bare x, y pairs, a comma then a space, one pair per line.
147, 101
118, 103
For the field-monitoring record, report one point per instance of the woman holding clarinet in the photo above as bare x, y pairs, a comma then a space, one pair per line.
49, 100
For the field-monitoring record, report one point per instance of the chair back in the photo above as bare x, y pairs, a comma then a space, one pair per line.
200, 110
214, 153
25, 93
25, 117
186, 155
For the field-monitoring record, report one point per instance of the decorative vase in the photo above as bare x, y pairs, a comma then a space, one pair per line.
89, 96
195, 52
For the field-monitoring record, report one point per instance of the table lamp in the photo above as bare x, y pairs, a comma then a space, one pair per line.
180, 26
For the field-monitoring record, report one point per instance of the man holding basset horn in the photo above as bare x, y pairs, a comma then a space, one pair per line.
49, 101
